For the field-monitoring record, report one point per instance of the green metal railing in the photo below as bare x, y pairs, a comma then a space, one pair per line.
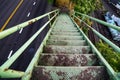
99, 21
9, 31
114, 75
5, 72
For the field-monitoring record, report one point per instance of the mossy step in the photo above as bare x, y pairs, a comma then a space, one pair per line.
47, 59
66, 49
69, 73
66, 42
63, 37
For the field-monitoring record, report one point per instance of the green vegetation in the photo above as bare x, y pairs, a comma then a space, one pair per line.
84, 6
50, 1
112, 57
85, 30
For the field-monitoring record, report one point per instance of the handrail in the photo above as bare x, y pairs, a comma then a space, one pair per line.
13, 29
5, 73
10, 61
100, 21
30, 67
112, 73
116, 48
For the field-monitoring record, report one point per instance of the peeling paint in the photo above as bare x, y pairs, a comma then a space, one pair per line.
29, 23
6, 69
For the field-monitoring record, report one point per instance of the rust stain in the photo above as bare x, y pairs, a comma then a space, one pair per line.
6, 69
30, 22
47, 49
84, 60
84, 51
36, 20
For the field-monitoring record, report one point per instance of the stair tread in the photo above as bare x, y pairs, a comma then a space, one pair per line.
65, 30
66, 42
69, 73
58, 37
74, 34
47, 59
67, 49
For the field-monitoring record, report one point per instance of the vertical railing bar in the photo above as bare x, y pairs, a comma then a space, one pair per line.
49, 19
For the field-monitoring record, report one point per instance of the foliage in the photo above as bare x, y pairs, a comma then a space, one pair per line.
85, 30
85, 6
50, 1
112, 57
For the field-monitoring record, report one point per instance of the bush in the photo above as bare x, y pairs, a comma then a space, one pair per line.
112, 57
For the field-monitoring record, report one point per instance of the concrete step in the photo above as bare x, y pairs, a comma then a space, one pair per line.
64, 30
66, 26
66, 33
67, 59
67, 42
69, 73
66, 49
63, 37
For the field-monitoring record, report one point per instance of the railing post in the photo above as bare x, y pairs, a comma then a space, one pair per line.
49, 19
118, 76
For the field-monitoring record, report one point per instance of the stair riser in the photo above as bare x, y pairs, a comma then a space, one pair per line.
67, 49
68, 60
75, 73
66, 42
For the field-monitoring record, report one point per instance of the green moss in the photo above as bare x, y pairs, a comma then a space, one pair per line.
50, 1
112, 57
85, 30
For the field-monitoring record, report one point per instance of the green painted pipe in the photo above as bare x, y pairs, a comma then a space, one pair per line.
8, 73
9, 62
112, 73
116, 48
100, 21
9, 31
29, 69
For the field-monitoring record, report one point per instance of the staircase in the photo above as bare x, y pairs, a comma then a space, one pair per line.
67, 56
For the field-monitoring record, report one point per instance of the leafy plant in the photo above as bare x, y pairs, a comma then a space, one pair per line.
85, 30
112, 57
84, 6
